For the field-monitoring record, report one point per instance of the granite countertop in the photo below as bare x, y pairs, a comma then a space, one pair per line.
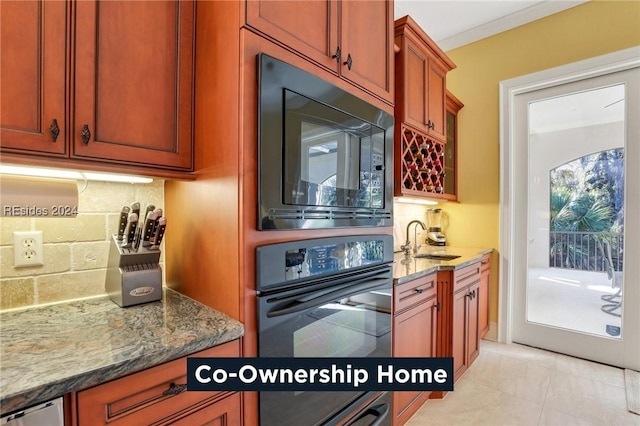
48, 351
409, 268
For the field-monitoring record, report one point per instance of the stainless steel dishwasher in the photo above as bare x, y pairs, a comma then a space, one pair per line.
48, 413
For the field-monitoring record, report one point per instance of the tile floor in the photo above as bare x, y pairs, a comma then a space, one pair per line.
519, 385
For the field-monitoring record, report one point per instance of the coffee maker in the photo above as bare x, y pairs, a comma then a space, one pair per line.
435, 237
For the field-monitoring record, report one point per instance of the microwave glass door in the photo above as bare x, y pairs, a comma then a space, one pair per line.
330, 158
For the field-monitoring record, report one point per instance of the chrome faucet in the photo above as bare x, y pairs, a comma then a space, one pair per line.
407, 246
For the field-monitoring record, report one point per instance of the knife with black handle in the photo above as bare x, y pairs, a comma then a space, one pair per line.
148, 210
148, 228
154, 225
124, 214
142, 223
130, 230
162, 226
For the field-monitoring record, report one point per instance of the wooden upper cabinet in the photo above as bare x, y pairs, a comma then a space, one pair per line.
351, 39
436, 88
309, 27
33, 76
367, 39
421, 69
421, 158
133, 82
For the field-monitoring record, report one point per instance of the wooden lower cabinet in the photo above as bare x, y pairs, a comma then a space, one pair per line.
483, 295
414, 335
466, 342
465, 336
158, 396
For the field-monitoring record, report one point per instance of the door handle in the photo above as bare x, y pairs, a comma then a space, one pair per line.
54, 130
85, 134
337, 56
348, 62
379, 411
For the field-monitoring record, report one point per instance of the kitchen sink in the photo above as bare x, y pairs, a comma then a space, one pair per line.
436, 256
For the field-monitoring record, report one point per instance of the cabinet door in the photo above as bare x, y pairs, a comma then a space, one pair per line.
483, 301
414, 335
33, 76
416, 65
473, 310
309, 27
459, 332
134, 82
436, 88
453, 106
367, 39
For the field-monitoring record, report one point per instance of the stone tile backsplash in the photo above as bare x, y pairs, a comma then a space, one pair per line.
76, 250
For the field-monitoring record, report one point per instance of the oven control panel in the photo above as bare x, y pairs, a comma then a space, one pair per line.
320, 256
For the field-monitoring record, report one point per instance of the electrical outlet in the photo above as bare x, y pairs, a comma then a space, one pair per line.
27, 248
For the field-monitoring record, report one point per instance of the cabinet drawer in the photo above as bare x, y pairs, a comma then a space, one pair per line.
413, 292
485, 263
465, 276
149, 396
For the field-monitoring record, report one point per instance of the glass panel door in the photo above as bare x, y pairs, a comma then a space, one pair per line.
576, 211
577, 218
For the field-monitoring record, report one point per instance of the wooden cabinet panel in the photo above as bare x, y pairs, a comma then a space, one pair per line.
152, 395
466, 302
133, 85
473, 338
310, 28
413, 292
414, 335
33, 76
459, 330
454, 105
421, 70
466, 276
335, 35
436, 88
420, 113
225, 412
371, 51
483, 296
416, 103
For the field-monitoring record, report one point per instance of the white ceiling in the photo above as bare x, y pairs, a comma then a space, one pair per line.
454, 23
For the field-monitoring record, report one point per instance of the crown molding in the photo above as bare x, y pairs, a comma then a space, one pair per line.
507, 22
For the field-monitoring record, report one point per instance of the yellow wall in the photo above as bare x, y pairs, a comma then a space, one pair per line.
591, 29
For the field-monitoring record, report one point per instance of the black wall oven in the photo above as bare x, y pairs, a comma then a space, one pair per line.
325, 156
326, 297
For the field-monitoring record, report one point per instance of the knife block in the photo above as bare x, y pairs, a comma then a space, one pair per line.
133, 277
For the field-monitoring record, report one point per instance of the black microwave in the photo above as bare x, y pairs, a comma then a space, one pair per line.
325, 156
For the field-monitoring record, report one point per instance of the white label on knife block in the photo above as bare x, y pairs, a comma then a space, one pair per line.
141, 291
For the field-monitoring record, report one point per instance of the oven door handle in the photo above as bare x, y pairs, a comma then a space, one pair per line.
379, 411
327, 297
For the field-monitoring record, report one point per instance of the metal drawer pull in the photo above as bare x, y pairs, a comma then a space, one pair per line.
419, 290
86, 134
54, 130
175, 389
484, 262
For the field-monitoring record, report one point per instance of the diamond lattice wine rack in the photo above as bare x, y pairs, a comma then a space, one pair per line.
421, 163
